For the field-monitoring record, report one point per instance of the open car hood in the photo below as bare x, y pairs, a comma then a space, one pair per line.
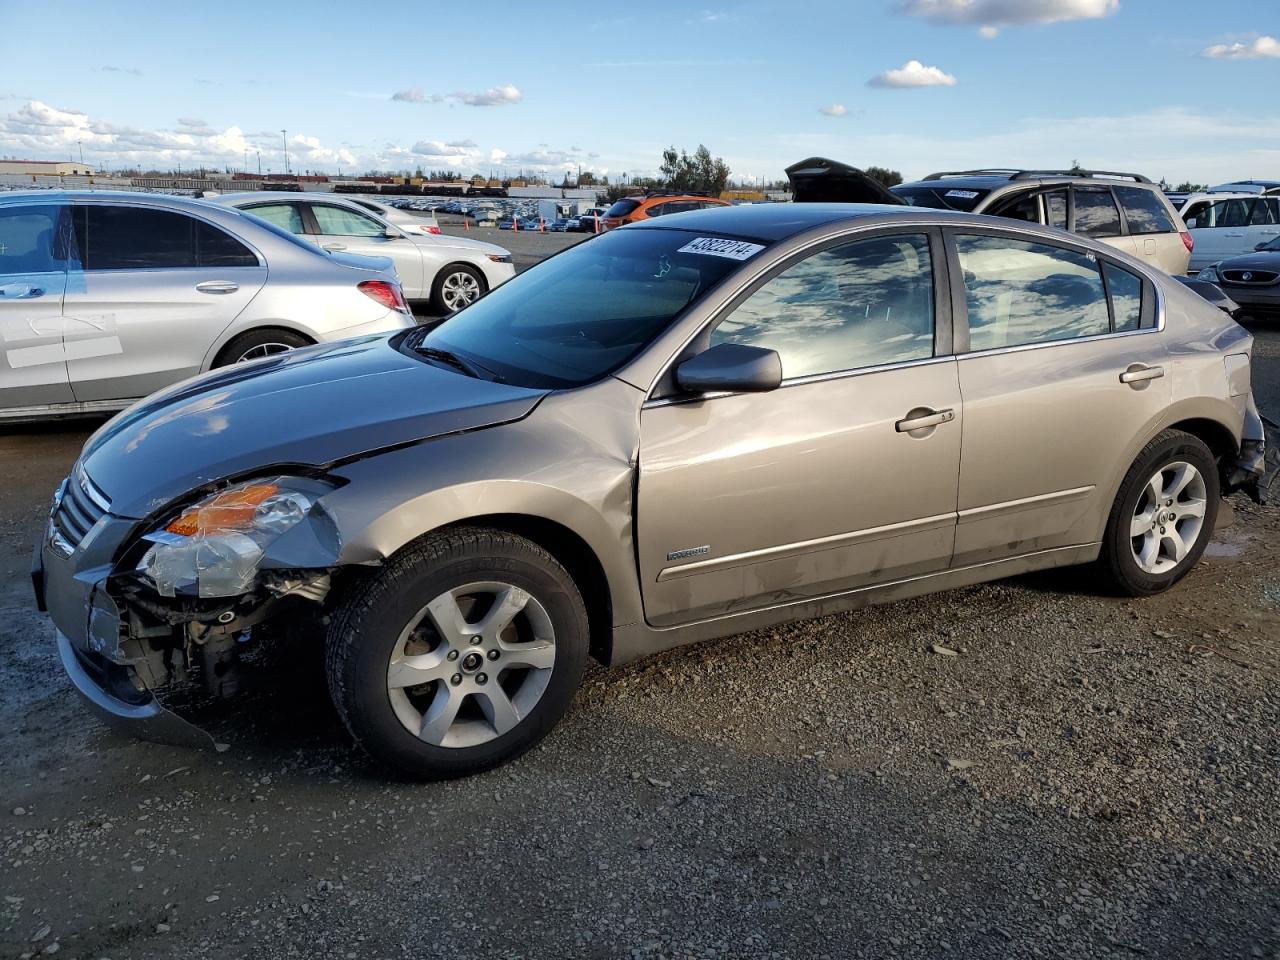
819, 180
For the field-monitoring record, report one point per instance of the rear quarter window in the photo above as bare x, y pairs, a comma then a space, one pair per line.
1144, 211
1096, 212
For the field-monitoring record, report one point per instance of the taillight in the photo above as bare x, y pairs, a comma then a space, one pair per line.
386, 293
433, 229
1188, 241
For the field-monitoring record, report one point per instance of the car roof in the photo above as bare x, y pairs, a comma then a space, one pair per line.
993, 180
246, 195
132, 196
777, 221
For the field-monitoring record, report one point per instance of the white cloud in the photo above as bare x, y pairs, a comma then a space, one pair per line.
990, 15
1256, 49
834, 110
913, 73
988, 32
434, 148
493, 97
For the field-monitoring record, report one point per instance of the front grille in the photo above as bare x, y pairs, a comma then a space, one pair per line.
81, 506
1250, 276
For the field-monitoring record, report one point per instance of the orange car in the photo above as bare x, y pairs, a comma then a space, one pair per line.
633, 209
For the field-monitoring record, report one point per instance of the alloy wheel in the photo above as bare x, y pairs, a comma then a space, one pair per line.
471, 664
258, 351
1168, 519
459, 289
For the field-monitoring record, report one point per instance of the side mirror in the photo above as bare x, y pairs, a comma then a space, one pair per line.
1262, 245
393, 233
734, 367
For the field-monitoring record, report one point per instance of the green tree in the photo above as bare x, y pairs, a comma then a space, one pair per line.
890, 178
1188, 187
700, 173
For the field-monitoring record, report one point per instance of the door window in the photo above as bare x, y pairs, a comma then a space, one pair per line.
29, 240
341, 222
1144, 211
283, 215
1229, 213
138, 238
1126, 296
1096, 213
1055, 207
657, 210
862, 304
1197, 215
1025, 207
1262, 212
1019, 293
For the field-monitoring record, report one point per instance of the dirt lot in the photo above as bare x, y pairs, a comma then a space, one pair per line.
1084, 777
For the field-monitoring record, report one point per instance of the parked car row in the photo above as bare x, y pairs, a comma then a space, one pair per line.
106, 297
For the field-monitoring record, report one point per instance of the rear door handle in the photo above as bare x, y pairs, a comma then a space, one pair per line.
1138, 372
334, 246
1233, 234
20, 291
217, 286
922, 418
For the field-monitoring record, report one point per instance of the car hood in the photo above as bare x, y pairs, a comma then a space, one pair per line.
819, 180
311, 406
1262, 260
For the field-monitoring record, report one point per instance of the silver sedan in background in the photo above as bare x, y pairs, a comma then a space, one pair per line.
107, 297
448, 272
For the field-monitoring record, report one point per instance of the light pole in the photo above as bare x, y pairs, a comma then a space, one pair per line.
285, 140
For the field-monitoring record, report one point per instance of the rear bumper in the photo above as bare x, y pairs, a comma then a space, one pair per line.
141, 715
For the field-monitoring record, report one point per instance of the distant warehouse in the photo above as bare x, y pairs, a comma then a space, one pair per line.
45, 168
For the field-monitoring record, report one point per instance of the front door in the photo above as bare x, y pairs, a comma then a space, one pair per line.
1062, 375
33, 277
157, 289
843, 477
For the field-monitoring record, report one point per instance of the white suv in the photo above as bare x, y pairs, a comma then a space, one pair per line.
1229, 224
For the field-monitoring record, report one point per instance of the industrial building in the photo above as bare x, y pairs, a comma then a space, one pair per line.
45, 168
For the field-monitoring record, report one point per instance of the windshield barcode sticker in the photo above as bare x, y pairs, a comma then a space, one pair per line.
963, 194
716, 247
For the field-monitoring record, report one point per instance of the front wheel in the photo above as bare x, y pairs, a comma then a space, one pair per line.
1163, 516
459, 655
455, 287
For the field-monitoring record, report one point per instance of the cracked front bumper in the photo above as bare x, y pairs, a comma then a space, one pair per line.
126, 710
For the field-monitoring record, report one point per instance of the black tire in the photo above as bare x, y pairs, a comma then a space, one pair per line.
265, 338
1117, 562
438, 302
367, 625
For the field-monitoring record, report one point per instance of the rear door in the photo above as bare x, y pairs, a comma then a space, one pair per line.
157, 288
821, 486
343, 230
1096, 215
34, 249
1051, 329
1153, 229
1264, 222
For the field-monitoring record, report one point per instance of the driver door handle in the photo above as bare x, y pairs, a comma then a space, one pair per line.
334, 246
20, 291
1138, 372
217, 286
922, 420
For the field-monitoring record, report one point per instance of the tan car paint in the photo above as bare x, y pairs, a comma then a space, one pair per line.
567, 474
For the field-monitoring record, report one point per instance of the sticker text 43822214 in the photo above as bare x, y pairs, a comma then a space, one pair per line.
720, 247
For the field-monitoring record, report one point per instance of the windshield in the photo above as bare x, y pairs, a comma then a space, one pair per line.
942, 197
584, 313
622, 208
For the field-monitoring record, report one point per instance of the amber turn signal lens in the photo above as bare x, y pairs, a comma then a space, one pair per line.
232, 510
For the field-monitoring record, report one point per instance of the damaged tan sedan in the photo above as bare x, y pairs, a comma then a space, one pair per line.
679, 430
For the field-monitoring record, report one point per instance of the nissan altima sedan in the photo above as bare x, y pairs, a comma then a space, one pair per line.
106, 296
684, 429
448, 273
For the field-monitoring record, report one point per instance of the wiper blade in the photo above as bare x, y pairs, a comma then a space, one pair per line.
470, 367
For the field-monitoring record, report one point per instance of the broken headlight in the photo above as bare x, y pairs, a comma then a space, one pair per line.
215, 548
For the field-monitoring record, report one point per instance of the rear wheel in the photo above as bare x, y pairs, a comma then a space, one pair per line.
257, 344
455, 287
459, 655
1164, 515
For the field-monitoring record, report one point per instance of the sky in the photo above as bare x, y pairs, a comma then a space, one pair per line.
1179, 89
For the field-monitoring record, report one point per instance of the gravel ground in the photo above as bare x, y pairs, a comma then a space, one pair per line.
1020, 769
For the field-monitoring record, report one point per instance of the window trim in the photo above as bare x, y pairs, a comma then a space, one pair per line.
664, 391
1153, 299
112, 202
